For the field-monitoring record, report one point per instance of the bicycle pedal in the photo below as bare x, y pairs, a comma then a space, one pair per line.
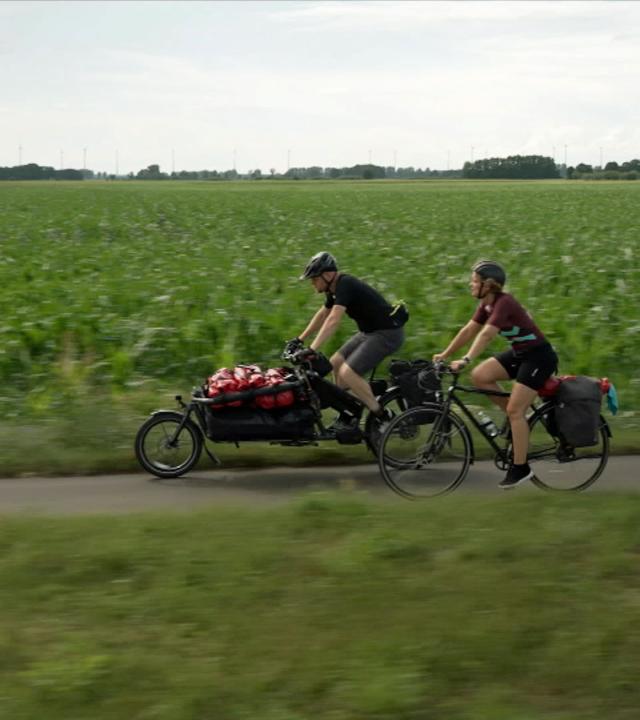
421, 463
565, 457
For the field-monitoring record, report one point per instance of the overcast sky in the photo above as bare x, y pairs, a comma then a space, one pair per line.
194, 85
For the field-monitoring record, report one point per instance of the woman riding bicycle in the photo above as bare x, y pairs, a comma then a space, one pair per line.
529, 362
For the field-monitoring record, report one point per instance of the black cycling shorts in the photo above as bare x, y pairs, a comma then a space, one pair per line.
532, 368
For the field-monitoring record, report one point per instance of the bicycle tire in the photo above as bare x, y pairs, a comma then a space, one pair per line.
157, 455
431, 450
392, 400
557, 467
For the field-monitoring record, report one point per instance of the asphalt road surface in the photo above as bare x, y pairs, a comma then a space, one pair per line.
263, 487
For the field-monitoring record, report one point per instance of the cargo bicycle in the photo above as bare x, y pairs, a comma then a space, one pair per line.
170, 442
428, 449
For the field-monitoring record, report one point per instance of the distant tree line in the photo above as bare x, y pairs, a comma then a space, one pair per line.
39, 172
612, 171
153, 172
365, 172
315, 172
512, 167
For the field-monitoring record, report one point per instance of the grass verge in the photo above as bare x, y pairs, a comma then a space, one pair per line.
331, 608
97, 437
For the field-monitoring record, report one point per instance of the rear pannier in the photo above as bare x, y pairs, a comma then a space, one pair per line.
577, 411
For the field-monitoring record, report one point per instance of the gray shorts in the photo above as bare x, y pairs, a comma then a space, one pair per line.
364, 351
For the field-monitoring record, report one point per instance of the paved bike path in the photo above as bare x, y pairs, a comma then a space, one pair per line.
141, 493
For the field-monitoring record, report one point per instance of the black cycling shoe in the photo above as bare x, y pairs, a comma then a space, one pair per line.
515, 475
383, 420
345, 430
344, 423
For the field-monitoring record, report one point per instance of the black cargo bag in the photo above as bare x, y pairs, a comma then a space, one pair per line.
577, 412
332, 396
417, 381
237, 424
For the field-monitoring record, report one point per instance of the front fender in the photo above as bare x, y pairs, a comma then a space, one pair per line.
197, 426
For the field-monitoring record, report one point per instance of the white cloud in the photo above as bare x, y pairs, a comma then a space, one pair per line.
329, 81
396, 14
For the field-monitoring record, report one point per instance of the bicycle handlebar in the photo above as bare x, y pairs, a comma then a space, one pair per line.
297, 357
443, 368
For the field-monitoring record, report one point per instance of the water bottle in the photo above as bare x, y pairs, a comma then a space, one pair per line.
489, 428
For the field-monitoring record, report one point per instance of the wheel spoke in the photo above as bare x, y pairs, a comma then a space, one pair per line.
423, 454
559, 468
161, 451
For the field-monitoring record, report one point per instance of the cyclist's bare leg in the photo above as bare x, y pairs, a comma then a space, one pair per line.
337, 361
519, 402
360, 387
486, 376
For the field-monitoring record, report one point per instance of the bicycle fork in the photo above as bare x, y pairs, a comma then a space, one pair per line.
434, 444
187, 410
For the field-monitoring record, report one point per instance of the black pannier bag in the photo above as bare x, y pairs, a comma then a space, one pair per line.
577, 411
417, 381
237, 424
321, 364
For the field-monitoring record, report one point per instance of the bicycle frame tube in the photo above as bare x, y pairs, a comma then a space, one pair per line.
471, 417
452, 398
200, 414
459, 403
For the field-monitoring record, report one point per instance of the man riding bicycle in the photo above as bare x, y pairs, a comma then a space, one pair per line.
529, 362
380, 330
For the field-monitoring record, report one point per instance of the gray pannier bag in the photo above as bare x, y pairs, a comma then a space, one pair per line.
578, 410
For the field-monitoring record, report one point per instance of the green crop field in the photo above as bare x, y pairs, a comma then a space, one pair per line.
128, 290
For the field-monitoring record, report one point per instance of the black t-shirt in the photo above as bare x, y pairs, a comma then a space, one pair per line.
364, 304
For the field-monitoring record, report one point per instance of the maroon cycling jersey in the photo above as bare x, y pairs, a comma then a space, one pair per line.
512, 320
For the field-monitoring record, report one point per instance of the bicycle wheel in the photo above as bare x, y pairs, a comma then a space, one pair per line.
558, 467
394, 402
424, 452
160, 452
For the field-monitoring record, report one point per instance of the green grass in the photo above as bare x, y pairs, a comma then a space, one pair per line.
92, 440
98, 438
331, 608
112, 290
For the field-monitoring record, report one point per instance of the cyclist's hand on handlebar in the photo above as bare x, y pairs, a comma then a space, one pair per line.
438, 357
458, 366
294, 345
302, 354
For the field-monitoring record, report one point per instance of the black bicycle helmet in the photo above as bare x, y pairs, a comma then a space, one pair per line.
320, 263
490, 270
